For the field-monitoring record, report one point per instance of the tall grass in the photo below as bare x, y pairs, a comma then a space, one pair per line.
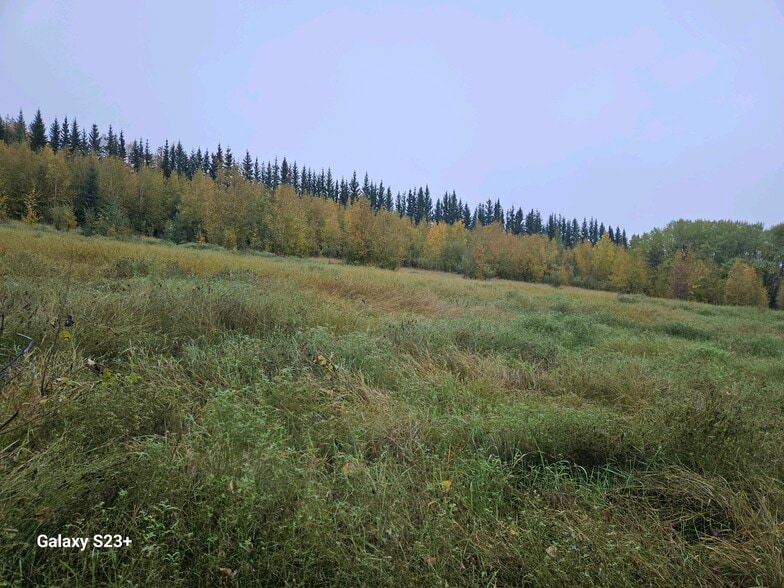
251, 420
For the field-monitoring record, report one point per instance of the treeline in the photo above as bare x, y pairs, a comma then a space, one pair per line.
104, 185
417, 204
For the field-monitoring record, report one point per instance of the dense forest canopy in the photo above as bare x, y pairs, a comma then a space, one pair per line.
75, 177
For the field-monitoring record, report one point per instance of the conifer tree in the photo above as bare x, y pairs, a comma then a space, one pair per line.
74, 144
256, 171
275, 179
20, 129
65, 135
166, 161
353, 188
247, 167
111, 143
54, 135
284, 172
295, 179
37, 132
121, 152
84, 146
95, 140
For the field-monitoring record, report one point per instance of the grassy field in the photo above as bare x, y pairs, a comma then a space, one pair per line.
251, 420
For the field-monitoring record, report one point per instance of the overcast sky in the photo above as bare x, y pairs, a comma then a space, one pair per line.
636, 113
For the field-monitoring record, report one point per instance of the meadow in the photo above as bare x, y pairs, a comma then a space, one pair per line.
248, 420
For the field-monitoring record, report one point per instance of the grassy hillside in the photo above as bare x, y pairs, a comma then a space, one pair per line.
253, 420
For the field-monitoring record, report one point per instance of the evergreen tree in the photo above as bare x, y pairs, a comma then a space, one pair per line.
147, 153
54, 136
65, 135
247, 167
73, 146
256, 171
295, 179
353, 188
166, 161
380, 193
331, 192
180, 160
37, 132
344, 193
84, 146
217, 159
111, 144
275, 174
20, 129
95, 140
366, 187
229, 161
121, 153
285, 177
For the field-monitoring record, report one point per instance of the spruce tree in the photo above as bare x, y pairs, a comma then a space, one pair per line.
295, 178
380, 192
256, 171
353, 188
166, 162
111, 143
247, 167
20, 129
37, 132
275, 174
121, 147
65, 135
217, 158
366, 186
95, 140
54, 136
84, 146
74, 144
284, 172
303, 181
330, 188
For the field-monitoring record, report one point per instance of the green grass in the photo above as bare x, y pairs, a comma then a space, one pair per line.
252, 420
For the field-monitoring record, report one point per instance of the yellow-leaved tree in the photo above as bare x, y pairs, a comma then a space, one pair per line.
744, 287
621, 273
603, 258
360, 231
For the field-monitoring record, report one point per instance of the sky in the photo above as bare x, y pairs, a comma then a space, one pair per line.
634, 113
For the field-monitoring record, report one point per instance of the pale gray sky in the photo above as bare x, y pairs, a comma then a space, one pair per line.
636, 113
